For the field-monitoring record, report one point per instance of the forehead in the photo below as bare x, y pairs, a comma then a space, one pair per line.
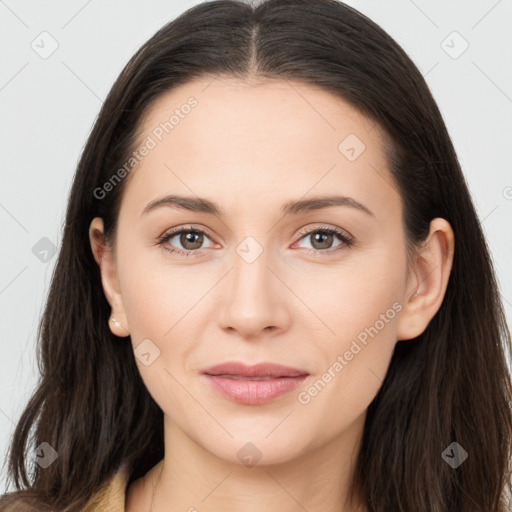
229, 139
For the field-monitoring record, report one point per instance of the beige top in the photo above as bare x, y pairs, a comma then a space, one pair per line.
110, 497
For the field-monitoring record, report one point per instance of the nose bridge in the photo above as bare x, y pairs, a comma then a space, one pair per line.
253, 301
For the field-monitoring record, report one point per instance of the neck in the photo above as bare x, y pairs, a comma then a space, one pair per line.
192, 479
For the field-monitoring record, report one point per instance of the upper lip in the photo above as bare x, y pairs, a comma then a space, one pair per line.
258, 370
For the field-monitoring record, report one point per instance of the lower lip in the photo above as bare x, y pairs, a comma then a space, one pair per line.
254, 392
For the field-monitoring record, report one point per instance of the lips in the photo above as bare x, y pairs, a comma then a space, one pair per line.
253, 385
260, 371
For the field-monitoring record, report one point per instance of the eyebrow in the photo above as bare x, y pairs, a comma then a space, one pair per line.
202, 205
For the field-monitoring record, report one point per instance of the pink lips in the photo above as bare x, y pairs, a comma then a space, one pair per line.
253, 385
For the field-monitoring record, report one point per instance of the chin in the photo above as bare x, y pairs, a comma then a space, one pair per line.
250, 447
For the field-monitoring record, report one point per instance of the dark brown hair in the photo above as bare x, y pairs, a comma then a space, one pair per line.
450, 384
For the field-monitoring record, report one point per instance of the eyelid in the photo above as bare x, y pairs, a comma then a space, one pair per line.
185, 227
324, 227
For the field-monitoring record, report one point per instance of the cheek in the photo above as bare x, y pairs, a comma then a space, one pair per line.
157, 294
150, 303
157, 298
361, 308
356, 362
348, 298
164, 303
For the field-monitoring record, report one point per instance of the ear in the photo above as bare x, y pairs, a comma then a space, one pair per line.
427, 280
105, 259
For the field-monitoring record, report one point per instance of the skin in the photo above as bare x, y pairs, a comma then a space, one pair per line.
251, 147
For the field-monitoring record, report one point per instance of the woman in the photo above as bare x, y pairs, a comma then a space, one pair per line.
273, 289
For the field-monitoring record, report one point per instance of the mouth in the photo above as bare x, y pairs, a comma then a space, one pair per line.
253, 385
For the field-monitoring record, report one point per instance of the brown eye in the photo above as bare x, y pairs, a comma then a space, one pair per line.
321, 240
184, 241
191, 240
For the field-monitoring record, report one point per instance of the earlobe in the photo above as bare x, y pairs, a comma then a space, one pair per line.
105, 259
428, 280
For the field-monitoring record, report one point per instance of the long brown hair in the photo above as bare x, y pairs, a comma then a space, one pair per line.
450, 384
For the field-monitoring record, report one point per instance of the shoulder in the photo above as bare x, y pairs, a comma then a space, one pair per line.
110, 497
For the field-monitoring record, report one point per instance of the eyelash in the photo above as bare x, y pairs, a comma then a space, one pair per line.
347, 240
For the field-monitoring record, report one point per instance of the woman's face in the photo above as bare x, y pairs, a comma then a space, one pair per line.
261, 279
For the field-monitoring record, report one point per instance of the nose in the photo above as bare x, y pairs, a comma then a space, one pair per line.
255, 299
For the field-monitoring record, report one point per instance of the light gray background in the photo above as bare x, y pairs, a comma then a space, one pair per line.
48, 106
